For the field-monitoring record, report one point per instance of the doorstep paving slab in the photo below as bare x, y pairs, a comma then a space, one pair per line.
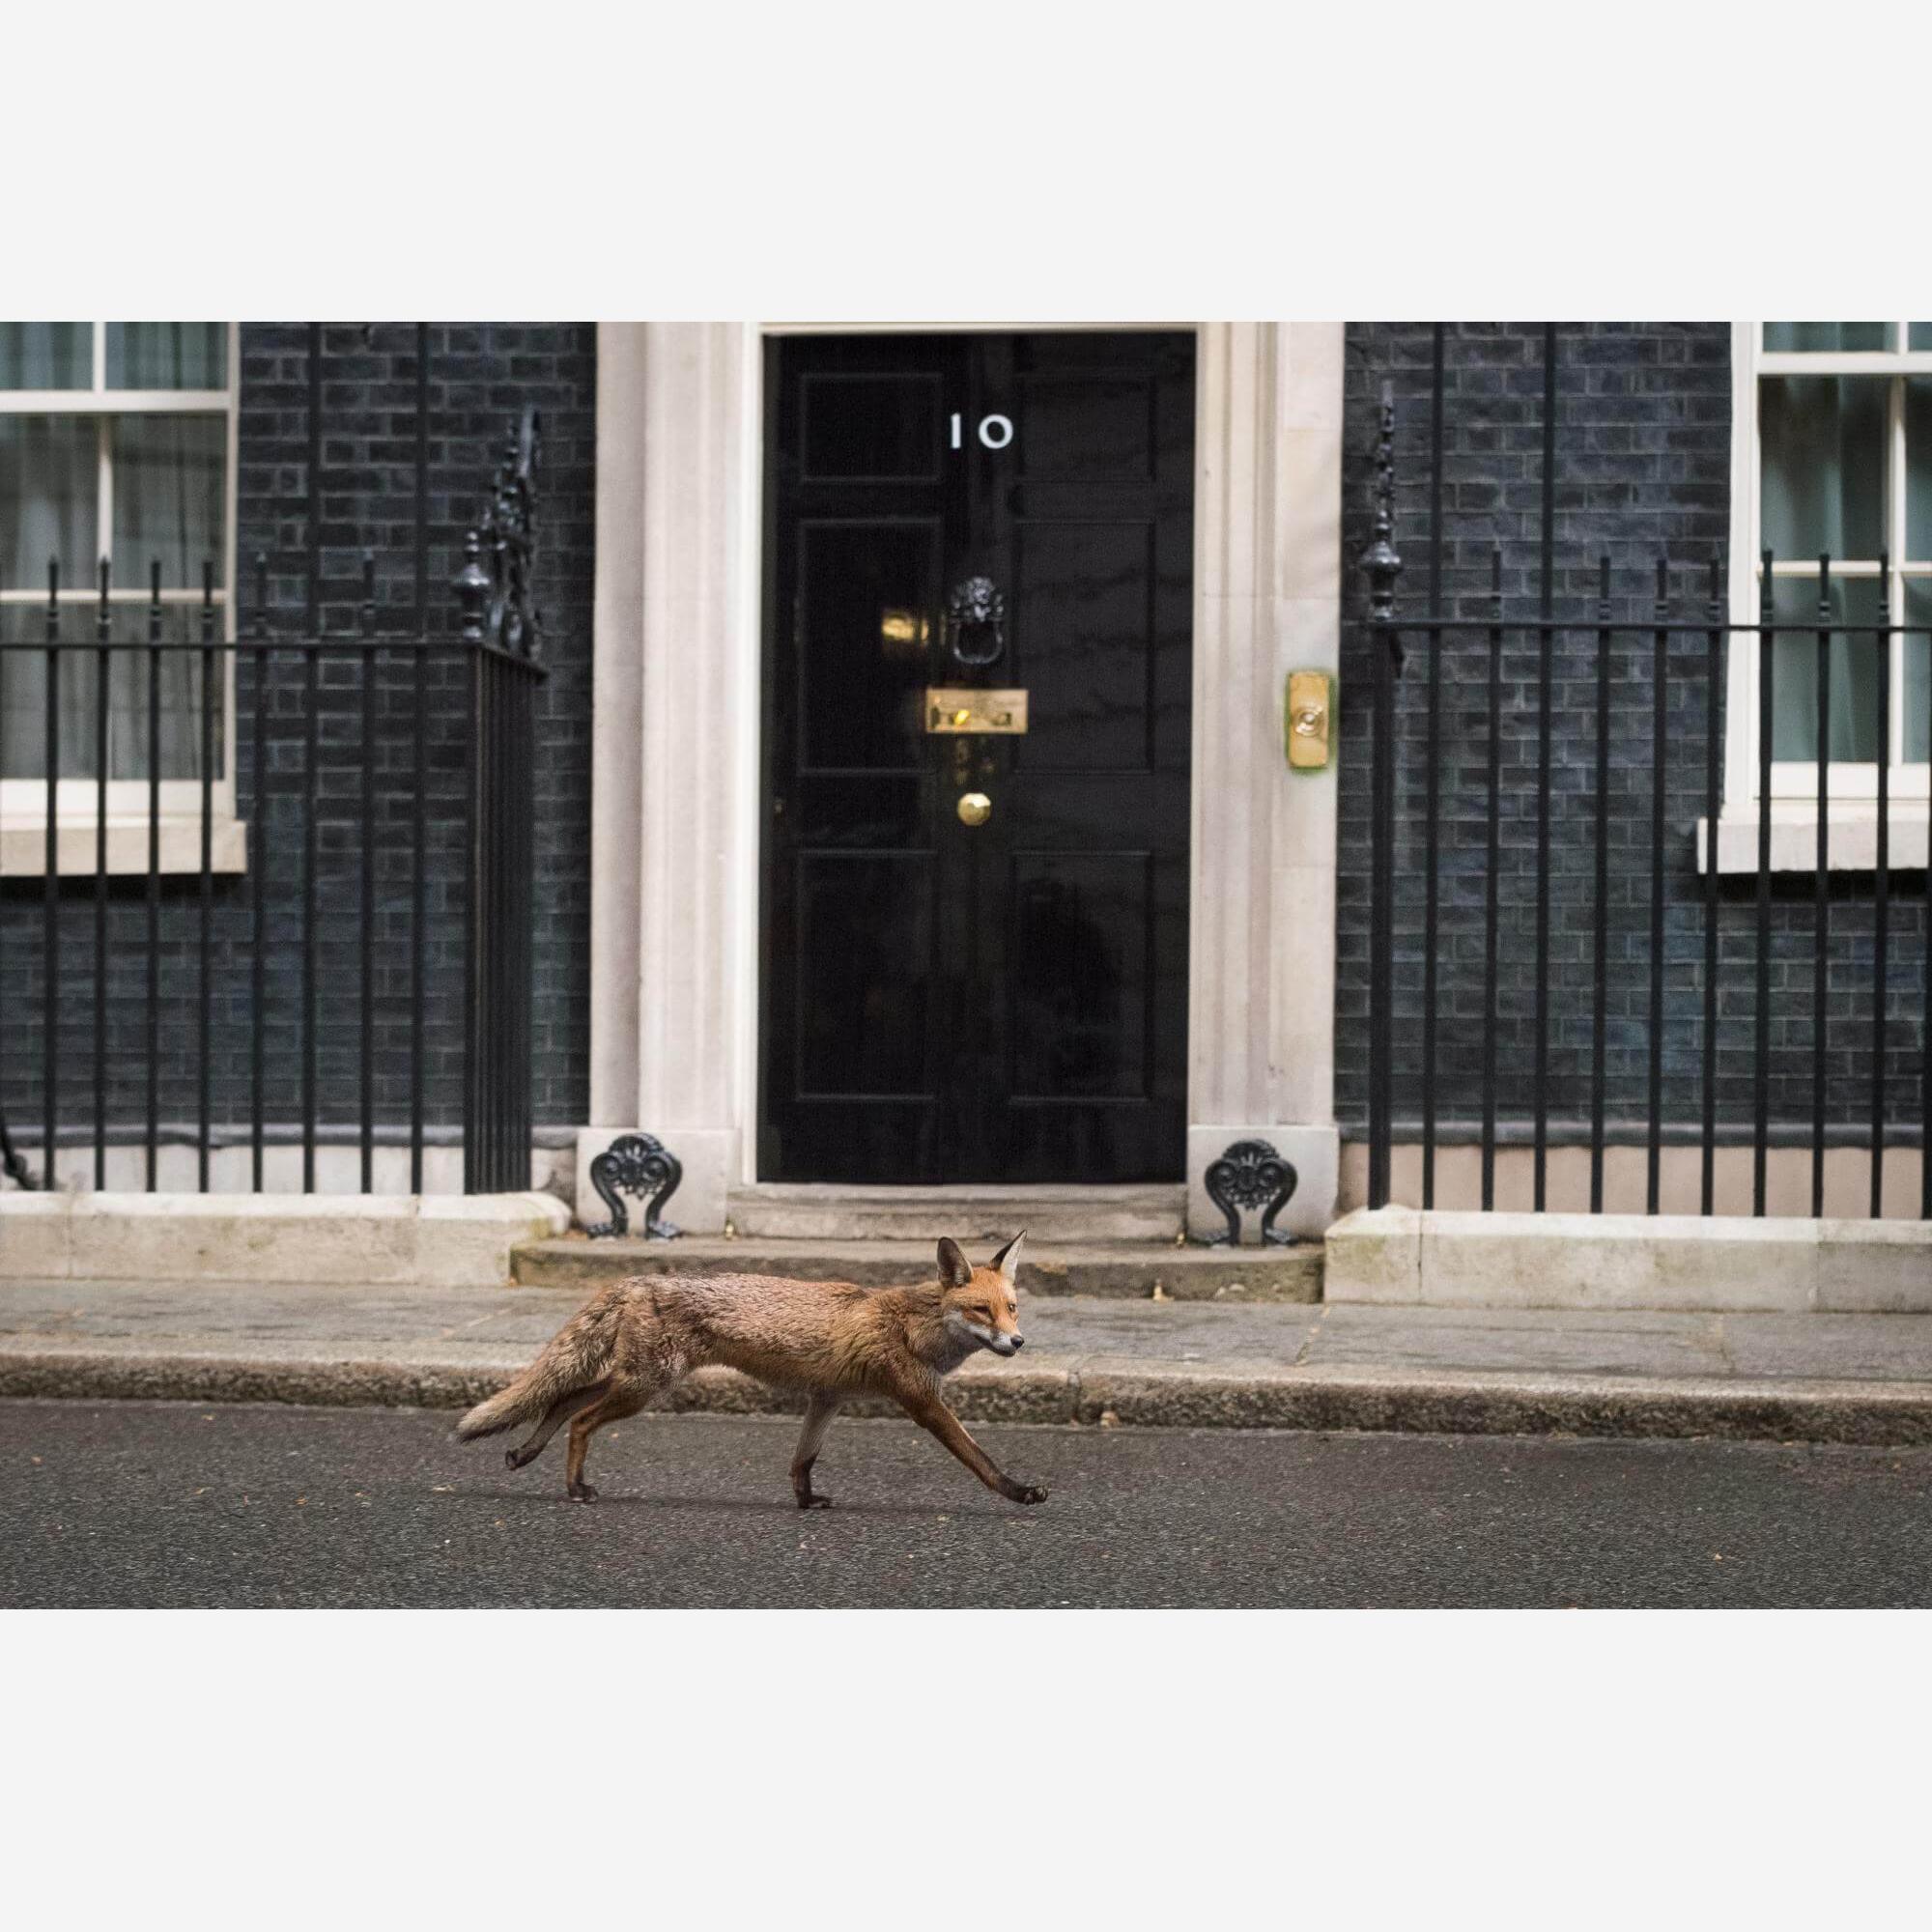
312, 1317
1602, 1341
1836, 1348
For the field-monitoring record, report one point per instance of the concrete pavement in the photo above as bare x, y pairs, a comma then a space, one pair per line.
1859, 1378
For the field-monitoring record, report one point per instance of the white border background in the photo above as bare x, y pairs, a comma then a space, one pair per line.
1061, 161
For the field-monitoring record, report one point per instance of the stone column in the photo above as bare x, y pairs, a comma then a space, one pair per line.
1267, 601
675, 745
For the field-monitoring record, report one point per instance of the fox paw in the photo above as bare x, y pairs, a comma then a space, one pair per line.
580, 1492
1029, 1493
815, 1502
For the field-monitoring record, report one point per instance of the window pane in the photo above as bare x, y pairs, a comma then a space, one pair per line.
50, 469
23, 694
1917, 694
168, 497
1920, 335
47, 356
178, 675
1919, 469
1826, 337
1823, 442
167, 354
23, 689
1854, 673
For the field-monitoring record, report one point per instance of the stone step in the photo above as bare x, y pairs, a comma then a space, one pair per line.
834, 1212
1120, 1269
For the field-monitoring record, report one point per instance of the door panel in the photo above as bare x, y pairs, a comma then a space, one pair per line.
863, 588
1006, 999
1078, 985
865, 926
1084, 593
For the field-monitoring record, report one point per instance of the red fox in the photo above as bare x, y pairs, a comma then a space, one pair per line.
831, 1340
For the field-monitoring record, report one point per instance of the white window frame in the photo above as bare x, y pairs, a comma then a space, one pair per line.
1852, 809
23, 802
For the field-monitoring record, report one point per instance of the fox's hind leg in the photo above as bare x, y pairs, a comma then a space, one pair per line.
559, 1412
817, 1420
612, 1405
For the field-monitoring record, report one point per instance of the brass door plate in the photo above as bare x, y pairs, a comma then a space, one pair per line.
1309, 715
950, 710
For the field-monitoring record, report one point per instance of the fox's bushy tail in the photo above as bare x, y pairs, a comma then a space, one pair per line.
576, 1356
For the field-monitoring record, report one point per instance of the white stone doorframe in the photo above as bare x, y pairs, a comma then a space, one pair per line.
677, 706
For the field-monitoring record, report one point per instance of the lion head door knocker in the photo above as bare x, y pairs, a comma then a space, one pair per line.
976, 623
638, 1164
1250, 1174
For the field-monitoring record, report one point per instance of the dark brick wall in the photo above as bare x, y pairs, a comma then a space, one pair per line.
482, 375
1642, 468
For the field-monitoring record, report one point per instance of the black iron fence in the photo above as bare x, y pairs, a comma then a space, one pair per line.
1734, 978
283, 895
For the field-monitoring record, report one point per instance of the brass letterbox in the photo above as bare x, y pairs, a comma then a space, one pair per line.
950, 710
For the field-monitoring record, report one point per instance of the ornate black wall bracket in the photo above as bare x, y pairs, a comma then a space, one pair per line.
1247, 1175
12, 1164
635, 1164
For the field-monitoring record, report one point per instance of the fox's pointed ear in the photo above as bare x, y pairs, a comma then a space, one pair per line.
953, 1271
1007, 1259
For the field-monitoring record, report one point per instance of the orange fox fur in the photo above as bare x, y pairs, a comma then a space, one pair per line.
829, 1339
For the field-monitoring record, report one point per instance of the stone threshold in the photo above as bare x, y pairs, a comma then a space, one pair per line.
1140, 1270
836, 1211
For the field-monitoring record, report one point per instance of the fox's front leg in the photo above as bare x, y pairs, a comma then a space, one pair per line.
817, 1420
934, 1416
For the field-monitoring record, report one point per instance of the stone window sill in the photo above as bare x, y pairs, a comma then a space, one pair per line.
1794, 837
23, 846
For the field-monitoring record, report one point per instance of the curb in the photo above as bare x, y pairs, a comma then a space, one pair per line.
1865, 1414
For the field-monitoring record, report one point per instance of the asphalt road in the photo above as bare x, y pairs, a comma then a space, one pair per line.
134, 1503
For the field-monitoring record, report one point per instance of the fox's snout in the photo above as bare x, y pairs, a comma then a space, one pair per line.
1002, 1340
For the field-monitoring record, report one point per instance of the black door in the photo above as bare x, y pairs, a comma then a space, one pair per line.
975, 957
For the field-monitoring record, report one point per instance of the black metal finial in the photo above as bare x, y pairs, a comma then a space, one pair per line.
1381, 559
368, 593
473, 587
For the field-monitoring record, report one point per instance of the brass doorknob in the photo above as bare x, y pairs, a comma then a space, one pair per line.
975, 808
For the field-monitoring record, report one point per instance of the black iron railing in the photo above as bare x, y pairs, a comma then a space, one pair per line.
353, 966
1739, 963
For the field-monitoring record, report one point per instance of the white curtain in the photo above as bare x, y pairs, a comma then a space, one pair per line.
1823, 439
168, 505
49, 468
